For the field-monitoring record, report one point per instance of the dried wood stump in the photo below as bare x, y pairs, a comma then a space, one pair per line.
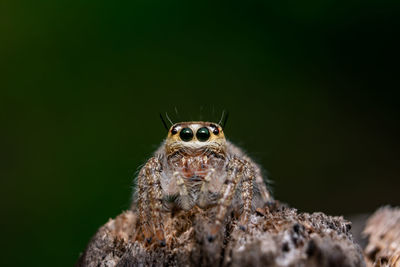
276, 236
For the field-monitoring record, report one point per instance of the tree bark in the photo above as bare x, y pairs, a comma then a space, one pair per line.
277, 235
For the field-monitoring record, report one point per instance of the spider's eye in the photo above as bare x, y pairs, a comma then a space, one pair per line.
214, 129
203, 134
174, 131
186, 134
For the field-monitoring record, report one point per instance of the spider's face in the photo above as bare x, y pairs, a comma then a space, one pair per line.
195, 138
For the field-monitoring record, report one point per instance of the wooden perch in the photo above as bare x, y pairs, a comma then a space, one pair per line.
276, 236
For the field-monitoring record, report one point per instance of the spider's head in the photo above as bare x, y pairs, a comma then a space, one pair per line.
195, 138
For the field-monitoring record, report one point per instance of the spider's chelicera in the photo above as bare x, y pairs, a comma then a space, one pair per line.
197, 166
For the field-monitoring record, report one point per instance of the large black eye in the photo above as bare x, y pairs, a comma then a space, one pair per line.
203, 134
186, 134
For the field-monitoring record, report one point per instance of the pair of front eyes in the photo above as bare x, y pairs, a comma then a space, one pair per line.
202, 134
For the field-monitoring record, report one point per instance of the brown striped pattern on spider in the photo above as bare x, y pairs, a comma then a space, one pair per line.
196, 167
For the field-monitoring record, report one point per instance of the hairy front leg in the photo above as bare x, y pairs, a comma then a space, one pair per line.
238, 171
150, 201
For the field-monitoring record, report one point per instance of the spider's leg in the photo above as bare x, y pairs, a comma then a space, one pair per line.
265, 194
150, 205
143, 206
246, 193
204, 191
237, 170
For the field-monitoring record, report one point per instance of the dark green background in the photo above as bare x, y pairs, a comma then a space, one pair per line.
312, 89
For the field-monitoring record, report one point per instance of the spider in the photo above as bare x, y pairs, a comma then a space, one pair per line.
197, 166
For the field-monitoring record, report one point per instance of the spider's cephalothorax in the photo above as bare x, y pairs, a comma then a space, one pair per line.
197, 166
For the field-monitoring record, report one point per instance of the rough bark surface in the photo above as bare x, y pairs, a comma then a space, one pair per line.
276, 236
383, 231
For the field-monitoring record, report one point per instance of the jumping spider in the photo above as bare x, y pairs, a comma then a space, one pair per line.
197, 166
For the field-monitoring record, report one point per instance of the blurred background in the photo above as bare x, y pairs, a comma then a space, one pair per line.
312, 90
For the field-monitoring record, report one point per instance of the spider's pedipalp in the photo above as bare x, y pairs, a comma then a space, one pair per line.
203, 198
184, 198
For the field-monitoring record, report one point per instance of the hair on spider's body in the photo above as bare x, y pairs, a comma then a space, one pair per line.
197, 166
